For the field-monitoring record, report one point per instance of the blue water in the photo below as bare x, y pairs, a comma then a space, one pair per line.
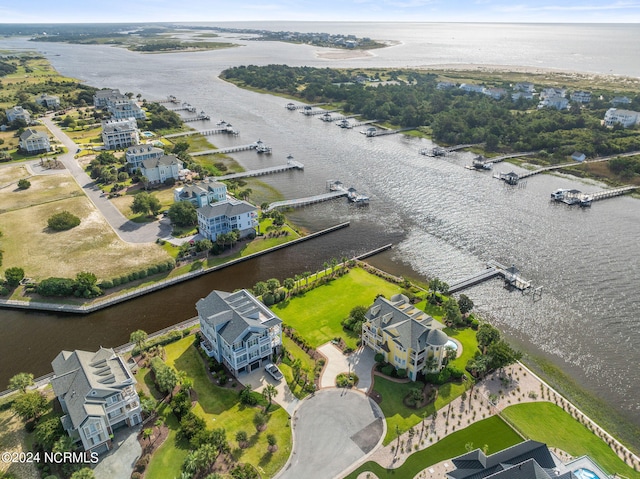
585, 474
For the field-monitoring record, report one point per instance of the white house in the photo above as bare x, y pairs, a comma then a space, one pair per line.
626, 118
136, 154
226, 216
621, 100
34, 141
407, 337
118, 134
557, 102
51, 102
97, 394
157, 170
581, 96
551, 92
102, 97
18, 113
471, 88
578, 156
201, 193
121, 109
238, 330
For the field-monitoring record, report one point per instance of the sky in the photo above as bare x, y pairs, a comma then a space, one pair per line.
121, 11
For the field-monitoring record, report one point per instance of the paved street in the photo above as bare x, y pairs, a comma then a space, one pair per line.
361, 362
127, 230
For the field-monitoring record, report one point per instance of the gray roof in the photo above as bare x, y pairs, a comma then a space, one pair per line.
30, 133
141, 149
196, 189
110, 126
226, 208
84, 379
165, 160
235, 316
409, 326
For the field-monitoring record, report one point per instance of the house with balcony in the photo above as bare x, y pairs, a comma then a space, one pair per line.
34, 141
238, 330
580, 96
18, 113
118, 134
202, 193
136, 154
102, 97
621, 100
157, 170
50, 102
558, 102
407, 337
97, 393
625, 118
121, 109
226, 216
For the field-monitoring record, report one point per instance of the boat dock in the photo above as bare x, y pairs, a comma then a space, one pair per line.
169, 99
231, 149
214, 131
184, 107
290, 165
371, 132
442, 151
201, 117
328, 117
481, 163
345, 123
336, 190
577, 197
309, 111
294, 107
511, 276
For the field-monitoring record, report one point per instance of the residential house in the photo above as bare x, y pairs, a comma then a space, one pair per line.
495, 93
527, 95
527, 87
226, 216
49, 101
626, 118
34, 141
97, 394
578, 156
621, 100
18, 113
202, 193
157, 170
407, 337
581, 96
102, 97
471, 88
120, 133
552, 92
445, 85
121, 109
557, 102
238, 330
136, 154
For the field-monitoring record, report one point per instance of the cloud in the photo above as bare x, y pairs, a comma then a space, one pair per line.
566, 8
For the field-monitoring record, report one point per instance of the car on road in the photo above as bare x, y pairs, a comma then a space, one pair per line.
274, 371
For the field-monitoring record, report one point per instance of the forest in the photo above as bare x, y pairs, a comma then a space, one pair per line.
408, 98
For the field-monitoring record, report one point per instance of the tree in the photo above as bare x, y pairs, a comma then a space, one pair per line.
138, 337
48, 432
63, 221
143, 203
14, 275
334, 263
260, 420
86, 285
84, 473
23, 184
502, 354
30, 405
147, 433
269, 392
273, 285
430, 364
452, 313
306, 275
260, 288
242, 437
272, 440
21, 381
183, 214
486, 335
289, 284
465, 304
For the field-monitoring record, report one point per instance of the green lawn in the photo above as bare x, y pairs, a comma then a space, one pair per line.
296, 352
316, 316
466, 337
548, 423
492, 432
220, 407
167, 460
397, 414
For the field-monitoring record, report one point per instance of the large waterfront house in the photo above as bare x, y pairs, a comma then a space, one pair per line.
558, 102
581, 96
18, 113
34, 141
526, 460
51, 102
625, 118
127, 108
201, 193
407, 337
238, 330
158, 170
102, 97
118, 134
97, 394
136, 154
226, 216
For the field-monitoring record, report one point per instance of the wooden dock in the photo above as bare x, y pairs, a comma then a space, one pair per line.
294, 107
214, 131
482, 163
201, 117
511, 276
336, 190
290, 165
231, 149
442, 151
312, 112
371, 132
347, 124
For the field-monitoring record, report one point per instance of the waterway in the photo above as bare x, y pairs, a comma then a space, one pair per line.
444, 220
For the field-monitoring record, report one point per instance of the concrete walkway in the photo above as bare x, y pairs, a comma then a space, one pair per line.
360, 361
120, 461
259, 379
127, 230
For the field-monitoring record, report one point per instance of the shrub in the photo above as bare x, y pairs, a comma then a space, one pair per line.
14, 276
402, 373
56, 287
106, 284
387, 369
23, 184
152, 270
63, 221
268, 299
379, 358
115, 282
133, 276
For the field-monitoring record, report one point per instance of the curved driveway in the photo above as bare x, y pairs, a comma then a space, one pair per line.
331, 431
127, 230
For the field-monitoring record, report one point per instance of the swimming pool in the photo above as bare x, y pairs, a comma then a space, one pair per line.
583, 473
148, 134
451, 344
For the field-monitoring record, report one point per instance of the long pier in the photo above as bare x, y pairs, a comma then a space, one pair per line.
309, 200
347, 124
511, 276
290, 165
479, 164
442, 151
201, 117
310, 112
294, 107
328, 117
231, 149
213, 131
371, 132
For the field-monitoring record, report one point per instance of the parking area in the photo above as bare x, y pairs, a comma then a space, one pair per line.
119, 462
360, 361
259, 378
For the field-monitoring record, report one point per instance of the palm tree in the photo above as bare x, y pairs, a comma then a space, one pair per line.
430, 364
147, 433
334, 263
306, 275
344, 262
269, 392
325, 265
289, 284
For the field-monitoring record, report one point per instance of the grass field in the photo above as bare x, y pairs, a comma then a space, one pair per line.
492, 432
316, 316
548, 423
220, 407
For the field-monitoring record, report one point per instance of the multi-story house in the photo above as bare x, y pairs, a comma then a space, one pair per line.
557, 102
97, 394
135, 155
157, 170
126, 108
525, 87
407, 337
626, 118
226, 216
581, 96
238, 330
621, 100
49, 101
102, 98
202, 193
18, 113
118, 134
34, 141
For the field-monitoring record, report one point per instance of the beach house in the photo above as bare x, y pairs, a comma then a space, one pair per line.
625, 118
157, 170
118, 134
202, 193
34, 141
226, 216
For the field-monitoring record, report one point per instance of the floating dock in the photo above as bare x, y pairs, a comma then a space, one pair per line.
577, 197
511, 276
